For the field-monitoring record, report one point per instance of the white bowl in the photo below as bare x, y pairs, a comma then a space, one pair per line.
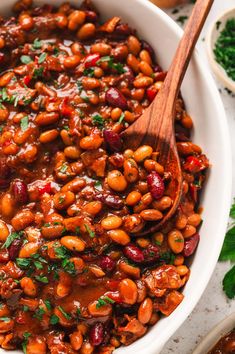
219, 331
204, 104
211, 39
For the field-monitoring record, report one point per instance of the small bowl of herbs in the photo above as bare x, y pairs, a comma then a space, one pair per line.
221, 48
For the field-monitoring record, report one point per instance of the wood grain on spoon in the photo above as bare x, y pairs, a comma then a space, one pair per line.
156, 126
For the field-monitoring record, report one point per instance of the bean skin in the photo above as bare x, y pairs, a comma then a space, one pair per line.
73, 243
128, 291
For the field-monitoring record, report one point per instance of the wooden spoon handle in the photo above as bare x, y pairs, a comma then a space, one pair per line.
172, 83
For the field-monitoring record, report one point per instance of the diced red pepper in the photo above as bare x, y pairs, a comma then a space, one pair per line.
27, 80
113, 284
115, 296
66, 110
151, 93
6, 143
46, 188
193, 164
91, 60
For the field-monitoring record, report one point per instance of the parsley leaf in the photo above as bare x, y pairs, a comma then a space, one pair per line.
228, 249
42, 279
54, 320
48, 304
89, 72
42, 58
24, 123
104, 300
98, 120
121, 118
63, 168
66, 315
37, 44
23, 262
39, 313
13, 236
26, 59
229, 283
112, 65
38, 72
90, 232
5, 319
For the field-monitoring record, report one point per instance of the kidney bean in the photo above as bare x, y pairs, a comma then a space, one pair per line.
111, 200
5, 170
96, 334
107, 264
190, 245
128, 74
20, 192
14, 249
133, 253
156, 185
91, 16
113, 140
124, 29
115, 98
151, 93
2, 57
181, 133
151, 253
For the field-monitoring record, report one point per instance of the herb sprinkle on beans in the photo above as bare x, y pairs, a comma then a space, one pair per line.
76, 276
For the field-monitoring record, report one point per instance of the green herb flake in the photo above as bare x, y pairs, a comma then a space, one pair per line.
42, 279
26, 335
24, 123
13, 236
98, 121
5, 319
54, 320
111, 64
37, 44
224, 49
89, 231
38, 265
104, 300
23, 262
48, 304
121, 118
38, 72
25, 308
26, 59
89, 72
63, 168
65, 314
39, 313
42, 58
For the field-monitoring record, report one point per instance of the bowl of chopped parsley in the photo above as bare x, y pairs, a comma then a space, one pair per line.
221, 48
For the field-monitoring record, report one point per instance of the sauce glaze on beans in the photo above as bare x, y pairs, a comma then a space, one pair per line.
75, 277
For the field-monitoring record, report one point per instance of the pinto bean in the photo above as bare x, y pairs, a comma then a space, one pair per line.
119, 236
28, 286
73, 243
116, 181
176, 241
28, 250
128, 291
86, 31
111, 222
131, 172
97, 311
46, 118
145, 311
4, 231
76, 340
63, 200
22, 219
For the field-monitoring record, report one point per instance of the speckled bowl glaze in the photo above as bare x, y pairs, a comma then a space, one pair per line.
211, 133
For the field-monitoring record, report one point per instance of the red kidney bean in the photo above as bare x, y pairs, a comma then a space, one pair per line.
181, 133
91, 60
115, 98
157, 69
96, 334
151, 253
91, 16
128, 74
107, 264
133, 253
156, 185
14, 249
20, 192
2, 57
124, 30
193, 190
149, 48
111, 200
190, 245
113, 140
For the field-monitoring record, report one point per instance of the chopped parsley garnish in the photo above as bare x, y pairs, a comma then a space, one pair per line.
54, 320
37, 44
225, 48
78, 311
98, 121
68, 266
42, 58
61, 199
5, 319
66, 315
13, 236
42, 279
121, 118
26, 59
104, 300
25, 308
23, 262
112, 65
63, 168
48, 304
89, 72
26, 335
89, 231
24, 123
38, 73
39, 313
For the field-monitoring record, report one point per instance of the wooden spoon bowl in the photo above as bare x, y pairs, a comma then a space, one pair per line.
155, 127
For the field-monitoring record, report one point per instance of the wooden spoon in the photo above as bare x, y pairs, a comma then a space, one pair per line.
155, 126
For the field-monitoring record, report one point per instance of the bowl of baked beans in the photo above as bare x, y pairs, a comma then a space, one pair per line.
76, 273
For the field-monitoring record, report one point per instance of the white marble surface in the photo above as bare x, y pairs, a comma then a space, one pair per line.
213, 306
